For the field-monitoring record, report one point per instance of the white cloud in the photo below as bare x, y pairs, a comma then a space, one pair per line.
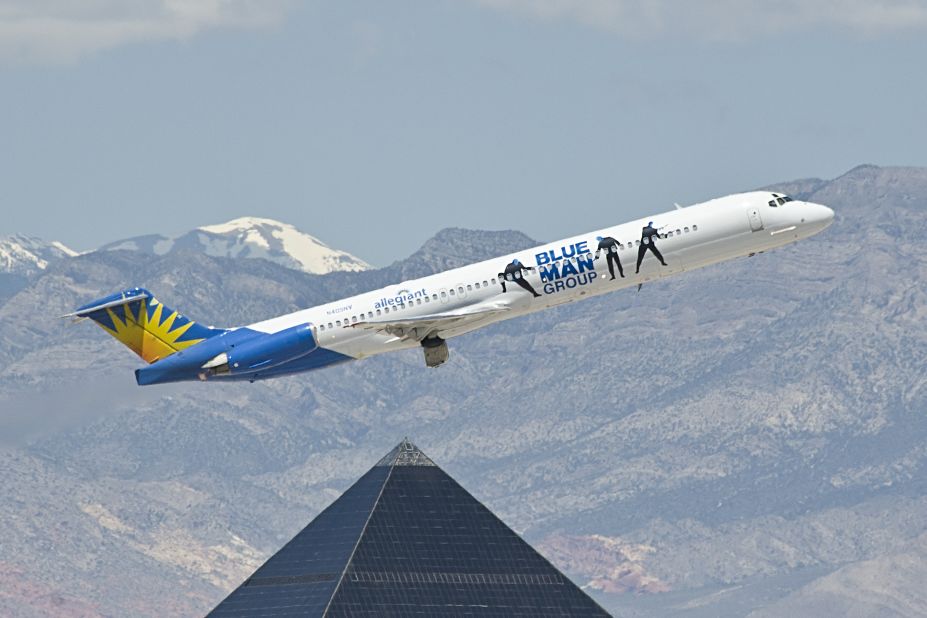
60, 31
727, 19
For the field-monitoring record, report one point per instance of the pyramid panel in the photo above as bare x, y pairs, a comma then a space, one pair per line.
299, 580
430, 548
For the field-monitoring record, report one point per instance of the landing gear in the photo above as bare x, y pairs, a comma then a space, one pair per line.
435, 351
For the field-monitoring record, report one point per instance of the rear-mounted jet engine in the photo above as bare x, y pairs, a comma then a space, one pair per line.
262, 353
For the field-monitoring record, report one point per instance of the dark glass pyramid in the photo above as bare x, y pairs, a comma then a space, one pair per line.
407, 540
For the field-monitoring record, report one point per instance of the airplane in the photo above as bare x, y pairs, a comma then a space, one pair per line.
426, 312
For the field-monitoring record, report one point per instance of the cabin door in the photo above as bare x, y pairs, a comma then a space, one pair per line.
756, 222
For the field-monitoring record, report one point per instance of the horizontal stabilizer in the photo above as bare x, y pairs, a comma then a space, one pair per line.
129, 296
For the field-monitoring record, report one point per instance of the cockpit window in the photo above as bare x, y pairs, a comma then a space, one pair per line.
772, 203
781, 200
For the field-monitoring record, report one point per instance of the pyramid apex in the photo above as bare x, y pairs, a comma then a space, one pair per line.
406, 454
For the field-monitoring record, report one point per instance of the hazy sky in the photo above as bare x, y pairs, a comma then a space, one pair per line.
374, 124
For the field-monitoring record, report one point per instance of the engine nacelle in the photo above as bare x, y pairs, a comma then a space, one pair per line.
263, 352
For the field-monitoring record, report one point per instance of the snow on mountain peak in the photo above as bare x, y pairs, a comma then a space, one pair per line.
245, 237
278, 242
25, 255
244, 223
251, 237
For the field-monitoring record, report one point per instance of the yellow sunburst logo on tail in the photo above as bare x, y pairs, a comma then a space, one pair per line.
153, 336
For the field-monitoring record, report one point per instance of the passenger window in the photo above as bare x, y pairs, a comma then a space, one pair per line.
369, 314
418, 301
494, 281
378, 312
678, 232
321, 327
330, 325
460, 290
427, 299
470, 287
486, 283
338, 322
443, 294
694, 228
477, 285
451, 291
686, 229
434, 297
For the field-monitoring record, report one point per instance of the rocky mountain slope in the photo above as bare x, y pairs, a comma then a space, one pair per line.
24, 256
27, 255
747, 438
250, 237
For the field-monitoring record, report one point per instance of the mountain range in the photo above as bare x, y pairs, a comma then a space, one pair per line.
747, 439
26, 255
23, 256
245, 237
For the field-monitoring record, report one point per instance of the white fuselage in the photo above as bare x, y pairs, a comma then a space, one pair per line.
692, 237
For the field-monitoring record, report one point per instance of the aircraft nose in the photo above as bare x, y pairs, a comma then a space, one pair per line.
819, 214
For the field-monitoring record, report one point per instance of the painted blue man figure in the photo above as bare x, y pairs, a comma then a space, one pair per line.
514, 272
648, 235
610, 246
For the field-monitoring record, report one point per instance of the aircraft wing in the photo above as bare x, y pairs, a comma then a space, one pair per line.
419, 327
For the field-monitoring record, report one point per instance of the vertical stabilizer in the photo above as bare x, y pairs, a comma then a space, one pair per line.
144, 325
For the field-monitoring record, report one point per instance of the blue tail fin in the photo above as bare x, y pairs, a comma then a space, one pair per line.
144, 325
